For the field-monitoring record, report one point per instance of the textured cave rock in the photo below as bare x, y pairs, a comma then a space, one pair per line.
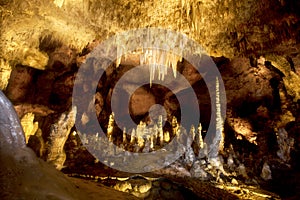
255, 45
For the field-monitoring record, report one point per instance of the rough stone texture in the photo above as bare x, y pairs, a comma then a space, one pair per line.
5, 71
19, 84
58, 136
223, 27
42, 44
29, 126
141, 101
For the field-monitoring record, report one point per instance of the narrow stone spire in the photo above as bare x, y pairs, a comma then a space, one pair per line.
132, 136
160, 130
166, 136
192, 132
200, 139
124, 136
217, 143
175, 125
110, 126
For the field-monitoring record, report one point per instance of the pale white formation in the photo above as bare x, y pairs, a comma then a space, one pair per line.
192, 132
266, 173
156, 52
285, 144
160, 130
218, 141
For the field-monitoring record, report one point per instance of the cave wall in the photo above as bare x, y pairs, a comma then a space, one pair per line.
255, 45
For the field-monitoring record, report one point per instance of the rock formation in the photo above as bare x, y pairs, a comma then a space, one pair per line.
254, 45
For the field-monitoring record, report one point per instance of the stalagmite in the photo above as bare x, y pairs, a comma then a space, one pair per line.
166, 136
132, 136
140, 141
147, 145
192, 132
285, 144
266, 173
155, 133
110, 126
84, 139
203, 151
96, 137
152, 142
175, 125
160, 130
124, 136
218, 141
219, 120
140, 129
200, 139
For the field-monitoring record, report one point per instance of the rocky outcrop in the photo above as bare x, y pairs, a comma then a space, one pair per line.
255, 45
59, 133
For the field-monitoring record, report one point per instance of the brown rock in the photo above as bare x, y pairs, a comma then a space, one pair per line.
141, 101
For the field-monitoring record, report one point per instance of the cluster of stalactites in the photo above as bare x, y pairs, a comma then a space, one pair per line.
159, 51
159, 61
194, 15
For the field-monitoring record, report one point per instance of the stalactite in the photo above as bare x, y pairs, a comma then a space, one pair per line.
154, 53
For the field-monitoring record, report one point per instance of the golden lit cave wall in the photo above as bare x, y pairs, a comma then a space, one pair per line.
222, 27
76, 23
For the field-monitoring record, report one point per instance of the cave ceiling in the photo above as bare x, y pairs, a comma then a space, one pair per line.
255, 45
223, 27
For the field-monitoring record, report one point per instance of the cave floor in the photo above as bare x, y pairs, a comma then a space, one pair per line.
164, 186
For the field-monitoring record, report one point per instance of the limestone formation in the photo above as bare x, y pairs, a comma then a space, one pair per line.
166, 136
58, 136
29, 126
266, 173
285, 144
254, 44
110, 127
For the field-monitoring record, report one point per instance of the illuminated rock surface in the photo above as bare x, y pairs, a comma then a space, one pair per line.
255, 45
